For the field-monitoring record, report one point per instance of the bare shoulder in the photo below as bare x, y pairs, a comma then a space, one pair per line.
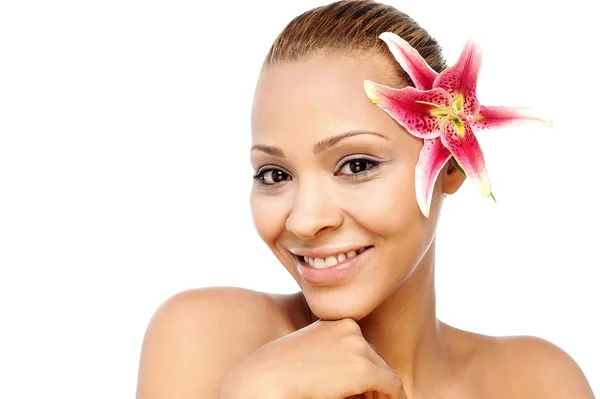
531, 367
198, 335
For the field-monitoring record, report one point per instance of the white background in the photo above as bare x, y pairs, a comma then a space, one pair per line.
124, 178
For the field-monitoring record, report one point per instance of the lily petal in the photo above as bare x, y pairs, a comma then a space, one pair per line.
410, 60
498, 117
461, 78
410, 107
459, 138
432, 159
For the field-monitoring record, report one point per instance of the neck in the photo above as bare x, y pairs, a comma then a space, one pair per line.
405, 331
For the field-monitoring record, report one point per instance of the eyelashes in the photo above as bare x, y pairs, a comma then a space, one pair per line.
276, 175
356, 168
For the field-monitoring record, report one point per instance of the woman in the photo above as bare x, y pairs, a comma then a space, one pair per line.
334, 199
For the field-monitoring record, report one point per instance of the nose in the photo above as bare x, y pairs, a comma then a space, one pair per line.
315, 210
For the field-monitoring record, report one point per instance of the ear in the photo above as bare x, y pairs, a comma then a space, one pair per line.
452, 178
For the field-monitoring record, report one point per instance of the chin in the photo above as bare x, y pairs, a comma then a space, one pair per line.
336, 303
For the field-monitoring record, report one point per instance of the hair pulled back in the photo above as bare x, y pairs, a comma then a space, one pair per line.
352, 27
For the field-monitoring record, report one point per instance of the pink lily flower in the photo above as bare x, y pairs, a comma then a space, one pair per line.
443, 110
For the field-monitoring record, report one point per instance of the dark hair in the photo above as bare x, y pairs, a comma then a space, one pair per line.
350, 27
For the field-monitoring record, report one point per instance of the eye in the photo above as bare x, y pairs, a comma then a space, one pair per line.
271, 177
357, 167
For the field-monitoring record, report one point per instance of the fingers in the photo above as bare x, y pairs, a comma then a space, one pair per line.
396, 386
370, 376
375, 381
375, 358
389, 384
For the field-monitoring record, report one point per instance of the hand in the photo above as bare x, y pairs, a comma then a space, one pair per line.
325, 360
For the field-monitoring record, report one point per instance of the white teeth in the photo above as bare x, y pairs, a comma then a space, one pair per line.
330, 261
321, 263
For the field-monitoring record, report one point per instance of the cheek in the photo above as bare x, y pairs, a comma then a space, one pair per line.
391, 212
387, 205
269, 213
387, 208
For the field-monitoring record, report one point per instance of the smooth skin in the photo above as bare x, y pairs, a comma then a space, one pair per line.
375, 334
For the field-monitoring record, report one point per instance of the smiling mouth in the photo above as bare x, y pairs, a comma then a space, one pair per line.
322, 263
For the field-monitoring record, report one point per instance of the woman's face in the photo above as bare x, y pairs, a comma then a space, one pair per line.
335, 173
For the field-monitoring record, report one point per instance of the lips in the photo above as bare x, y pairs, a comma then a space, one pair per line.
329, 275
331, 260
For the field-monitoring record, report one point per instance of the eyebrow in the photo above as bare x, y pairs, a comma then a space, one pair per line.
318, 147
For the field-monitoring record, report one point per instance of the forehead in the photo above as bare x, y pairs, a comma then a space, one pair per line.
318, 97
